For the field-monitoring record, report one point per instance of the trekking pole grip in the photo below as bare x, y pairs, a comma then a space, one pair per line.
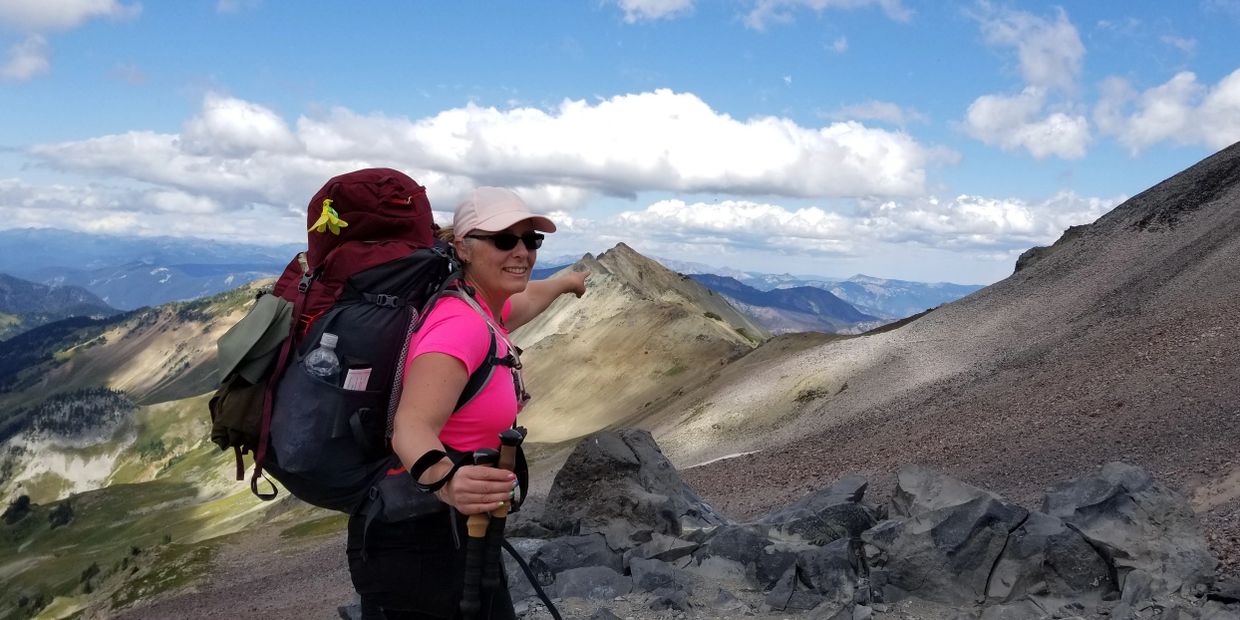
475, 548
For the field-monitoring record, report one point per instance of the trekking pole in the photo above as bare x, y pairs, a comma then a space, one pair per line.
475, 549
509, 441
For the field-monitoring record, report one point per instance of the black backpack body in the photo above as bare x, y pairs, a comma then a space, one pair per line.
330, 445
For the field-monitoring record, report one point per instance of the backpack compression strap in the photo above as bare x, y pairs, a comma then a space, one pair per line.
260, 452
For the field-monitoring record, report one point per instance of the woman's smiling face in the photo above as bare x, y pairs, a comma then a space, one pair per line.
498, 274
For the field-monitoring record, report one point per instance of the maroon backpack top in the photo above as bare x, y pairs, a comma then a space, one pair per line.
385, 215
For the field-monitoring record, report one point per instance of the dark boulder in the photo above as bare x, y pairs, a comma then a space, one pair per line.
829, 514
821, 578
557, 555
596, 583
762, 559
950, 538
658, 577
1136, 524
661, 547
621, 480
1044, 557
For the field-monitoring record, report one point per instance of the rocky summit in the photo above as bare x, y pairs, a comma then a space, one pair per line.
621, 535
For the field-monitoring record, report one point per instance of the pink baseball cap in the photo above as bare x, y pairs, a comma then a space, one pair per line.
492, 209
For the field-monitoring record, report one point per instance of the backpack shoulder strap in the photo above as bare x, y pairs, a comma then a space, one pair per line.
479, 378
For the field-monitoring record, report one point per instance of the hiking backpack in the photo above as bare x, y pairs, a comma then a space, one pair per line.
371, 270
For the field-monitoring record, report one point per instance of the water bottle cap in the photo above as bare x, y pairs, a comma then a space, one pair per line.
328, 340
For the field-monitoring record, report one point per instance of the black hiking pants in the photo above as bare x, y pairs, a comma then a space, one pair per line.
413, 569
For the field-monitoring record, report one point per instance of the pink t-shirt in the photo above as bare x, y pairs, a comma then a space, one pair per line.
453, 328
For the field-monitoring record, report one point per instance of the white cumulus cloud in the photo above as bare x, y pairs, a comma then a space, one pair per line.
182, 202
742, 224
964, 222
1181, 111
107, 208
1050, 51
26, 59
232, 127
656, 141
1050, 54
36, 18
1018, 121
980, 222
50, 16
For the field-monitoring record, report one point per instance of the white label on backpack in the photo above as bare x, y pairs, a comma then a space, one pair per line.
356, 379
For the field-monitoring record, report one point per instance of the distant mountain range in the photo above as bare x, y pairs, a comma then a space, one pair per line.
131, 272
881, 297
25, 305
783, 310
138, 284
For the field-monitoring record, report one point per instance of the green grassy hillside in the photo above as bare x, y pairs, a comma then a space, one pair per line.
169, 503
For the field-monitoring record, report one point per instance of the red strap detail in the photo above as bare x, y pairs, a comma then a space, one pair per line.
306, 321
396, 472
269, 394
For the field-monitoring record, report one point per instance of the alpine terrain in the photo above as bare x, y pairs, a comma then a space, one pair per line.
1120, 342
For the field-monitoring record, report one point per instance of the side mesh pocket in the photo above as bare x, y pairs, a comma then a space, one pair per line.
315, 424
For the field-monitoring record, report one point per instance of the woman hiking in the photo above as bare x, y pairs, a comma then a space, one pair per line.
416, 568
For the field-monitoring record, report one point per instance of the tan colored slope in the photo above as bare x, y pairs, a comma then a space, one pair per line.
1122, 341
160, 354
640, 335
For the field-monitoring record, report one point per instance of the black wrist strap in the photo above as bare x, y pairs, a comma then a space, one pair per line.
430, 458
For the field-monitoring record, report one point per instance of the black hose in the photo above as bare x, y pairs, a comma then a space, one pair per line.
529, 574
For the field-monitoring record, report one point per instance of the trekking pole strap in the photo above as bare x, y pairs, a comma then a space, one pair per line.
430, 458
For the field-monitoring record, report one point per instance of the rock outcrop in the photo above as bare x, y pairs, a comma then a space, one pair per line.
620, 525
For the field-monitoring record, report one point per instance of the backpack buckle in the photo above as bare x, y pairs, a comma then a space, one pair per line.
385, 301
304, 284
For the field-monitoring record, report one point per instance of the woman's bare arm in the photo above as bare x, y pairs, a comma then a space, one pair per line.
434, 384
539, 294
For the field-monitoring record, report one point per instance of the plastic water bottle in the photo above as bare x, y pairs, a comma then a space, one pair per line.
322, 362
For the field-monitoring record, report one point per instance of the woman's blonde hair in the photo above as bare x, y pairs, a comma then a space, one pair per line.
446, 234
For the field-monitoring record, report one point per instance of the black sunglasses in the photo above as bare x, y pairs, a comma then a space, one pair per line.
506, 241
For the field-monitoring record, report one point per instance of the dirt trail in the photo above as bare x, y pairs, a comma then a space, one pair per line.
262, 575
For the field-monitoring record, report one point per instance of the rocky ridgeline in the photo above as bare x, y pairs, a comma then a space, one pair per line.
621, 531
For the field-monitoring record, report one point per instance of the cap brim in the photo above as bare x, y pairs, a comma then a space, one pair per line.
500, 221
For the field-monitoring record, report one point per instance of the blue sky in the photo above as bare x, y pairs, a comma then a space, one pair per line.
929, 141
